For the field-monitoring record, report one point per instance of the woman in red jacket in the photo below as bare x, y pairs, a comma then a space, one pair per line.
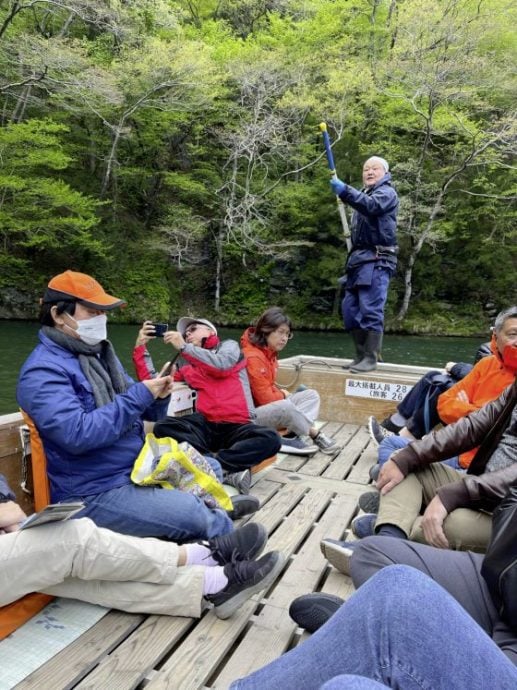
275, 407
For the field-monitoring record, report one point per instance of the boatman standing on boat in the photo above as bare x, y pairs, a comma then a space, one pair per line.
372, 259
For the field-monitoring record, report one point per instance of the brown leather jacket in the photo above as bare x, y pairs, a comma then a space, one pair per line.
477, 489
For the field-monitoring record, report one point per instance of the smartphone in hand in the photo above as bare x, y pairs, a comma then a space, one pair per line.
160, 329
168, 369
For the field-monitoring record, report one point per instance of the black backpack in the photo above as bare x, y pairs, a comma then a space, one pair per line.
500, 563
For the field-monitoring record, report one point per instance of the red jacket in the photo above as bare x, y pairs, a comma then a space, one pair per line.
217, 371
262, 370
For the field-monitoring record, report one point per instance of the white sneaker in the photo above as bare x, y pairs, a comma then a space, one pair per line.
327, 445
297, 446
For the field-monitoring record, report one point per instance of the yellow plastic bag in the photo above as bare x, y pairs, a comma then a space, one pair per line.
172, 465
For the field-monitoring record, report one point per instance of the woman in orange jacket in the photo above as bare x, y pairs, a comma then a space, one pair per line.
276, 407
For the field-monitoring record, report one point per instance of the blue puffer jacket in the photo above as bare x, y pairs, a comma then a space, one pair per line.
89, 450
374, 222
5, 489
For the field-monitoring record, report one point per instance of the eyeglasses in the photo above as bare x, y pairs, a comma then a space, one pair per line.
195, 327
287, 334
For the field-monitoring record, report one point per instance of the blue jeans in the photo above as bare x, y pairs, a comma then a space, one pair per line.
352, 683
400, 629
143, 511
392, 443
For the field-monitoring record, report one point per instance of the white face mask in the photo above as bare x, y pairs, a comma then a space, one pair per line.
92, 331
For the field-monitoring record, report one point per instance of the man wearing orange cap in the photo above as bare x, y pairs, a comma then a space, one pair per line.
89, 414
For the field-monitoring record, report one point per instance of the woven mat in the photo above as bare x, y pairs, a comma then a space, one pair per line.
43, 636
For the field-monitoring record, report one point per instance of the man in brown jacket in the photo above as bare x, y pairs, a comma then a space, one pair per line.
456, 505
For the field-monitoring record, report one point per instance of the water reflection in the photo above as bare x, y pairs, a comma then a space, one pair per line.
17, 338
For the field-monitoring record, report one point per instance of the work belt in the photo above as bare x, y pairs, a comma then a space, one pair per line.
379, 249
386, 250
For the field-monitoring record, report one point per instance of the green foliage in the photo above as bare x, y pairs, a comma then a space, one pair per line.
171, 147
38, 210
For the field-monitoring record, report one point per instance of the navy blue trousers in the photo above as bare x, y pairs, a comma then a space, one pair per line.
365, 297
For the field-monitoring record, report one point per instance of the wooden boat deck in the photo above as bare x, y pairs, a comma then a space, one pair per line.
302, 501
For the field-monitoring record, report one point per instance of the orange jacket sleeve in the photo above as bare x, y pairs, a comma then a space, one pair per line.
484, 383
262, 374
450, 407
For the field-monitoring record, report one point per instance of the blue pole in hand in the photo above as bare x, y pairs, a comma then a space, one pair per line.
332, 169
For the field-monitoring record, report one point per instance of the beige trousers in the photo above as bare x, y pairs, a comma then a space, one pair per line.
79, 560
466, 530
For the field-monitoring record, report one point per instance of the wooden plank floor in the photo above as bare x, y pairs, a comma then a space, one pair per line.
302, 501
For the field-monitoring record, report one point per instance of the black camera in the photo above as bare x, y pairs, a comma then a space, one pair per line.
160, 329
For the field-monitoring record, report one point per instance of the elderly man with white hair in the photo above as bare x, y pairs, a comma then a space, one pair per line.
372, 259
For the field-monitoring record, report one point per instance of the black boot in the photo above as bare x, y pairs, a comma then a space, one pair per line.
359, 338
372, 347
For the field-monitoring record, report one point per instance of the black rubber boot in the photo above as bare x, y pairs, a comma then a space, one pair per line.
372, 347
359, 338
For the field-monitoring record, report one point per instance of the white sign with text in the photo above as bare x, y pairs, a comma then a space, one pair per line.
378, 390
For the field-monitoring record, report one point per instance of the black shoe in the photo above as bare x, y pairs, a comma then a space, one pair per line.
369, 502
391, 426
311, 611
374, 472
239, 480
245, 578
243, 505
243, 544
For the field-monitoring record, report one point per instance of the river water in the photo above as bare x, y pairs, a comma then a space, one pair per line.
17, 339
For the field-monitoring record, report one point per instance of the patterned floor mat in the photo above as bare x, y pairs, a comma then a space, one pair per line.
50, 631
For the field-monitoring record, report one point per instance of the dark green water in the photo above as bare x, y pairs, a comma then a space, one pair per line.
17, 338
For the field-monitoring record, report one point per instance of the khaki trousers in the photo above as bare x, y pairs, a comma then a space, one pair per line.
466, 530
79, 560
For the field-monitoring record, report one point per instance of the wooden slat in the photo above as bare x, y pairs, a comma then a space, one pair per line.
298, 507
342, 465
272, 630
273, 513
71, 665
138, 655
342, 487
290, 463
199, 656
360, 471
316, 464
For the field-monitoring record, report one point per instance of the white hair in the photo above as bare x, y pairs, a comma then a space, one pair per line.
380, 160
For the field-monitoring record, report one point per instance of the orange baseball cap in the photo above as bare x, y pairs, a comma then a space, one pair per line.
83, 288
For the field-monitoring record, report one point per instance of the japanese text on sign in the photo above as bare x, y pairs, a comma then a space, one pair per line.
393, 392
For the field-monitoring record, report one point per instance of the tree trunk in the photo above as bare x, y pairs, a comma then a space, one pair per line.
111, 158
218, 269
408, 275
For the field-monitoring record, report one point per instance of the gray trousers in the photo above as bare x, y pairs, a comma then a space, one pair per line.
458, 572
297, 413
